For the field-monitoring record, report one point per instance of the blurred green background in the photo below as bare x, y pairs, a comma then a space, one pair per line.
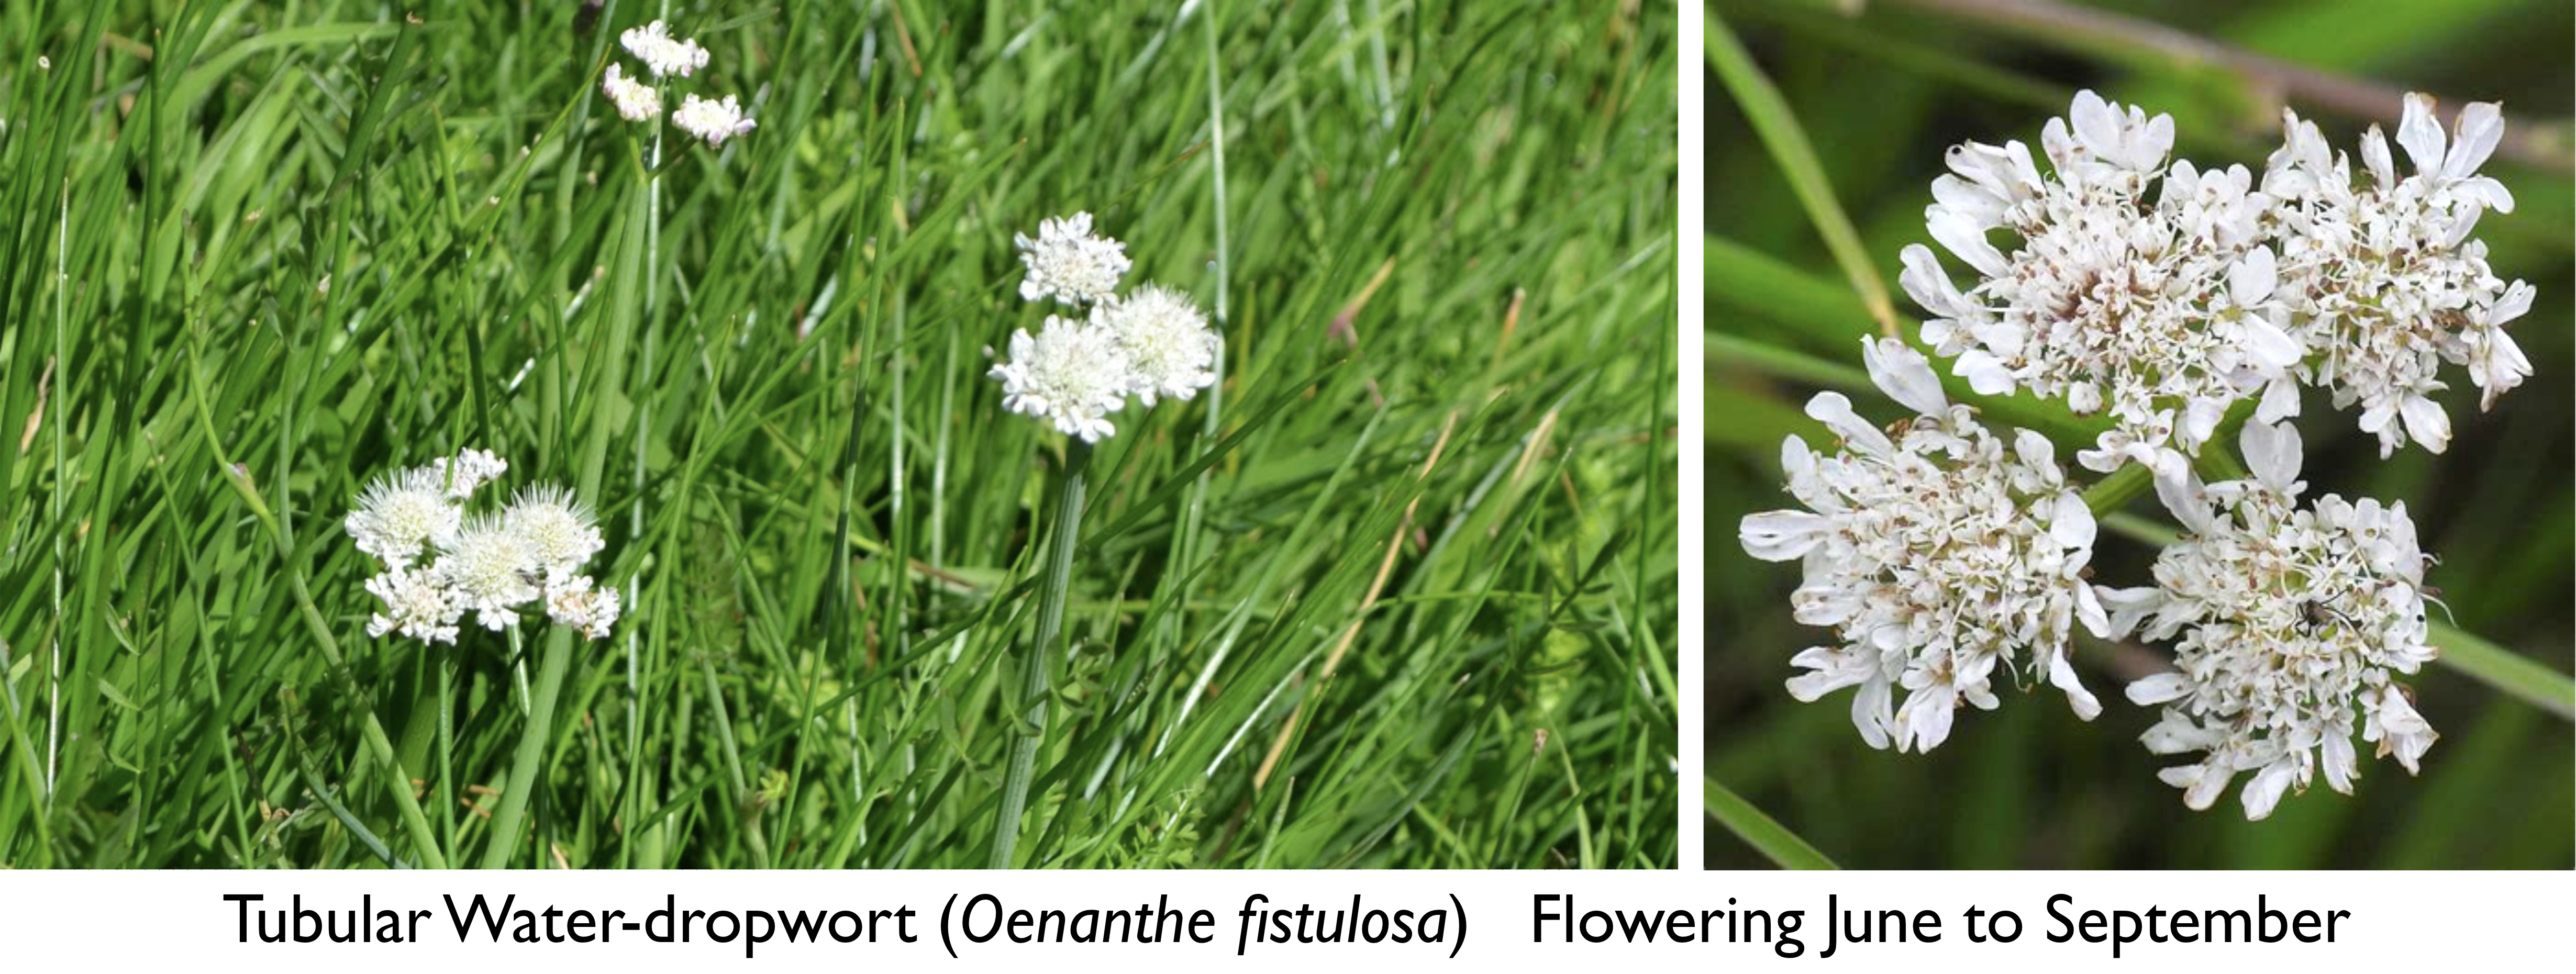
1880, 91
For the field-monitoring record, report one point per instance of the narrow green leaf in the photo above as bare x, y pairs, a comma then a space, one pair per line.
1760, 831
1778, 127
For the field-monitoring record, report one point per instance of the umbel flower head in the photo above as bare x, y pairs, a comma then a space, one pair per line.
2383, 278
1938, 554
1072, 375
1169, 348
635, 100
709, 120
1069, 264
661, 53
441, 562
2127, 284
2294, 623
1150, 344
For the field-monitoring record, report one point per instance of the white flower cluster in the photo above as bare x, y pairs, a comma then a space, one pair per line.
2292, 619
2165, 293
2383, 279
710, 120
440, 563
1937, 554
1151, 344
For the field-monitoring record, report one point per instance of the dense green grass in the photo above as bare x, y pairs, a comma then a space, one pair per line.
1879, 96
1427, 229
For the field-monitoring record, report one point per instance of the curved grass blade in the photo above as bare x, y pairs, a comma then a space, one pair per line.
1780, 132
1760, 831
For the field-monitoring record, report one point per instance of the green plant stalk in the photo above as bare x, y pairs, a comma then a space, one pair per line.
1034, 690
531, 753
1760, 831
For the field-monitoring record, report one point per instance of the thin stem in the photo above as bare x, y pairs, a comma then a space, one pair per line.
1033, 694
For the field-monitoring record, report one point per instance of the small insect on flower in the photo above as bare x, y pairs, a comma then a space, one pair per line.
661, 53
1067, 263
1938, 555
1072, 375
635, 100
2292, 622
710, 120
1170, 351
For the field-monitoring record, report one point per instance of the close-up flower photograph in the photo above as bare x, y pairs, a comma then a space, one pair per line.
877, 435
2137, 435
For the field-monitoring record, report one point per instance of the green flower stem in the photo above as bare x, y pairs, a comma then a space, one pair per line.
1033, 695
532, 749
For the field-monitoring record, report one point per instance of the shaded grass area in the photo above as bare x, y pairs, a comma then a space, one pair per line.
1879, 96
261, 253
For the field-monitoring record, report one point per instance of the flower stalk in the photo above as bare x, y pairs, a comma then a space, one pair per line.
1052, 593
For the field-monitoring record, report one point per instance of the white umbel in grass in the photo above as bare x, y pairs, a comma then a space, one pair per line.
441, 563
1071, 376
1170, 350
1068, 263
709, 120
662, 53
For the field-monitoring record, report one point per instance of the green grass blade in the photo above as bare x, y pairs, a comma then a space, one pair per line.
1766, 835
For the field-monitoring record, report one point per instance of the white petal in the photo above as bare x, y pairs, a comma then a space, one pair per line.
2251, 279
2265, 790
2061, 675
2426, 422
1985, 373
2071, 524
1965, 237
2272, 452
2481, 126
2159, 688
2271, 346
1835, 411
2420, 134
1905, 375
2374, 155
1782, 535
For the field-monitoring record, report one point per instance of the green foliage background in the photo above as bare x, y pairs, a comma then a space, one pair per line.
1880, 94
259, 253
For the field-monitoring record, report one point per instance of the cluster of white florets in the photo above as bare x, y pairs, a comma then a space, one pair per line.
1937, 554
2384, 281
1150, 344
664, 56
2292, 621
2164, 295
440, 562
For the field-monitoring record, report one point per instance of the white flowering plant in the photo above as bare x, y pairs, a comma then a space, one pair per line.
2169, 317
440, 562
